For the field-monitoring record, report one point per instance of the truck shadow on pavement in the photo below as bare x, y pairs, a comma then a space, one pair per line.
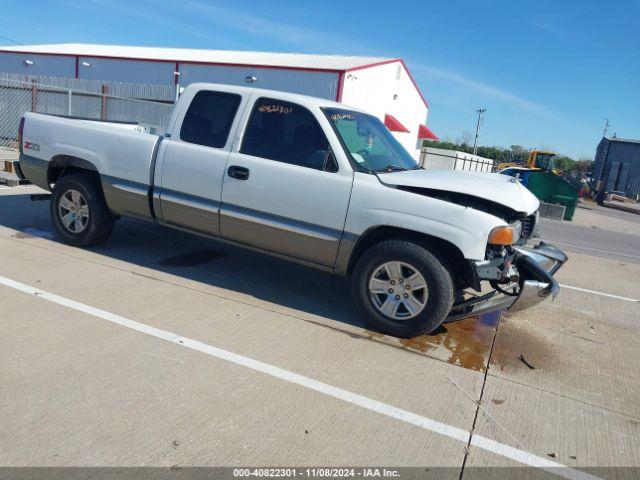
250, 277
201, 260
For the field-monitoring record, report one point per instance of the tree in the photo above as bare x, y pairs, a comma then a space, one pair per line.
584, 166
519, 154
565, 164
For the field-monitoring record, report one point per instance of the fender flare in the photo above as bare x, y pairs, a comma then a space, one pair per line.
65, 161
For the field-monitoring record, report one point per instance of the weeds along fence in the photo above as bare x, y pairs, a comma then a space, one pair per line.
92, 99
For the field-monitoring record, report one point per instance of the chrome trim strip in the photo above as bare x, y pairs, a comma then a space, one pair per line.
187, 200
297, 227
128, 186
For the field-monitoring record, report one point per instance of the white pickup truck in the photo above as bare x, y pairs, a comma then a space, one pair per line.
309, 180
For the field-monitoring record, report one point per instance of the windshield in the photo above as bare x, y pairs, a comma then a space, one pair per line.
368, 141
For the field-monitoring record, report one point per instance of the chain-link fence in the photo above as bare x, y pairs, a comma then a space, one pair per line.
91, 99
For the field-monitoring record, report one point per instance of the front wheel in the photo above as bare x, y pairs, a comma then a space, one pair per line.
402, 288
79, 211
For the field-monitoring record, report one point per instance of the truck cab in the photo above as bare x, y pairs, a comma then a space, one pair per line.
285, 191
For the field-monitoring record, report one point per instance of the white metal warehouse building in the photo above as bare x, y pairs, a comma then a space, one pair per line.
382, 86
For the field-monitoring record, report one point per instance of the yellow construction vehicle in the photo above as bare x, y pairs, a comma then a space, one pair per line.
503, 165
542, 160
538, 159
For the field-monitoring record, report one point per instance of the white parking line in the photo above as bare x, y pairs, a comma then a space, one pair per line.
406, 416
610, 295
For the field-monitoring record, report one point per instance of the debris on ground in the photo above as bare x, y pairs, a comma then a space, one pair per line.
524, 360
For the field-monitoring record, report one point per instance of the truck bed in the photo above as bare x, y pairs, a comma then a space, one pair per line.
122, 154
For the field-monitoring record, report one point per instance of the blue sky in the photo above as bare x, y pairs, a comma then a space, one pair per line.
548, 72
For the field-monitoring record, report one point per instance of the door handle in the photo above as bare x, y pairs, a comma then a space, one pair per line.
239, 173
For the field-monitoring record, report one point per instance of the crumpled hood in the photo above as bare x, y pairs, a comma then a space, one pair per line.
495, 187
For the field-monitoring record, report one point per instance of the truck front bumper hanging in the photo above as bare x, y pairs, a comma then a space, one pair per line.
536, 267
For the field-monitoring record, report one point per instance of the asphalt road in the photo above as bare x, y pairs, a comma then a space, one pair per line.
593, 241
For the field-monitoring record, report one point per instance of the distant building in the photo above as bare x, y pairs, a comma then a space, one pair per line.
617, 166
382, 86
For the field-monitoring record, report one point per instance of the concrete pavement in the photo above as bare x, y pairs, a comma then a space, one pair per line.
78, 390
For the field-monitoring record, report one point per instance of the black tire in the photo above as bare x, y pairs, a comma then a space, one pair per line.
438, 280
99, 224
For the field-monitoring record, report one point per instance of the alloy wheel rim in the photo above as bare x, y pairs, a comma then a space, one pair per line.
73, 211
398, 290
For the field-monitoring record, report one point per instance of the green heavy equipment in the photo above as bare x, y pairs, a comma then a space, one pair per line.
541, 177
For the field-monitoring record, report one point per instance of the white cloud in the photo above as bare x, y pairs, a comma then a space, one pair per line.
147, 14
429, 72
280, 30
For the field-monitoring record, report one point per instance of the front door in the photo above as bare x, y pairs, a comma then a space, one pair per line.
193, 162
283, 191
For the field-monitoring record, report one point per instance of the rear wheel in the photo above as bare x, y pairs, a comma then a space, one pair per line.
402, 288
79, 211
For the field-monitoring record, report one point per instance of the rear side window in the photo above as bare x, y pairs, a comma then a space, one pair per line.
285, 132
209, 118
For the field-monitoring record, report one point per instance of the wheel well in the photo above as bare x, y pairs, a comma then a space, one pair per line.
61, 165
450, 255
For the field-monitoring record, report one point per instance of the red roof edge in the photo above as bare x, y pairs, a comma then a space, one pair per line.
426, 104
424, 132
393, 124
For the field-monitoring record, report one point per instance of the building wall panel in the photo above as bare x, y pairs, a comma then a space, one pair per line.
317, 84
121, 70
53, 65
388, 89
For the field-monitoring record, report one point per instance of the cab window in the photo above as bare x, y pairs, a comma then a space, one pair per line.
209, 118
286, 132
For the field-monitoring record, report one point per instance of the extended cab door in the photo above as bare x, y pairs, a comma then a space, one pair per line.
189, 179
283, 189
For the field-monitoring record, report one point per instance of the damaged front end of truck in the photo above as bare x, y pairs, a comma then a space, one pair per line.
515, 274
520, 275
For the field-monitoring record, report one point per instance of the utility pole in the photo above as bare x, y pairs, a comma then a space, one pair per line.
606, 127
480, 118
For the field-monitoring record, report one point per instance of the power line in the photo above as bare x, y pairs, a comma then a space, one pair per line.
11, 40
